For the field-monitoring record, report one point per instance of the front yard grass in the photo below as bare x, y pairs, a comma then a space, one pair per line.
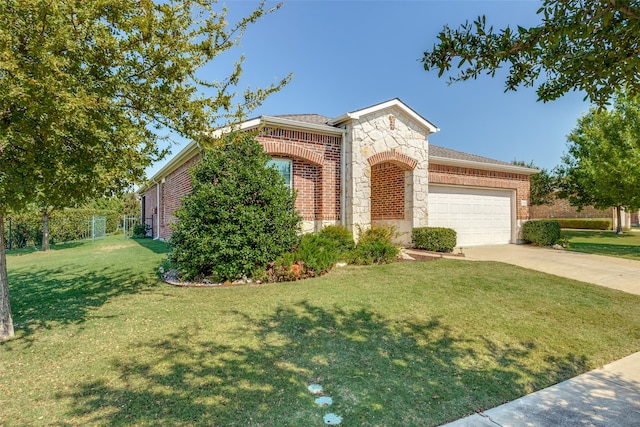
101, 342
607, 243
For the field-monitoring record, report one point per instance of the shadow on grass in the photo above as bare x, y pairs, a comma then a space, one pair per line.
54, 247
378, 372
47, 298
156, 246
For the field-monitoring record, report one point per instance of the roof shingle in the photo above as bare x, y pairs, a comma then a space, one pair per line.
447, 153
316, 119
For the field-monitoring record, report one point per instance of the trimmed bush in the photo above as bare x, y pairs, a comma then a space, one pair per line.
585, 223
239, 217
541, 232
140, 231
437, 239
318, 253
374, 247
340, 235
315, 255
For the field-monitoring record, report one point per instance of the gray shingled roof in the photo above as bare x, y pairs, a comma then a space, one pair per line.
434, 150
316, 119
447, 153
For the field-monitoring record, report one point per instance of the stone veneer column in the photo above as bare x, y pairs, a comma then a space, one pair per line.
381, 132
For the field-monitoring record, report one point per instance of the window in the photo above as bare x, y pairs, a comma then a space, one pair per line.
283, 166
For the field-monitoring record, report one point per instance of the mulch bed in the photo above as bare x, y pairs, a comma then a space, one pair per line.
171, 277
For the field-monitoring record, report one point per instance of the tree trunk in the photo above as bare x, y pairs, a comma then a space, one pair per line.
6, 323
619, 217
45, 230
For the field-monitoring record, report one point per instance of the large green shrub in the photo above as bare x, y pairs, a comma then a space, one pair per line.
541, 232
374, 246
240, 214
437, 239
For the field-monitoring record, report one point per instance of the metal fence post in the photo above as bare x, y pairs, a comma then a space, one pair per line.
93, 227
10, 234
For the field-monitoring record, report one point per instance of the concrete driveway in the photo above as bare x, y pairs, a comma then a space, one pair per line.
616, 273
605, 397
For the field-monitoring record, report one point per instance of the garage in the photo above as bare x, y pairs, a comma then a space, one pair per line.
479, 216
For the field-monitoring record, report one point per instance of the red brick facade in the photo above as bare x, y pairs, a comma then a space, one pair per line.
316, 169
150, 209
306, 183
453, 175
400, 159
387, 192
316, 178
176, 185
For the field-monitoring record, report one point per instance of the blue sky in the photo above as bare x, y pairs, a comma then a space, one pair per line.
347, 55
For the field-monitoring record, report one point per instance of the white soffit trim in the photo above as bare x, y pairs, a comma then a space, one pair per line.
482, 165
355, 115
176, 161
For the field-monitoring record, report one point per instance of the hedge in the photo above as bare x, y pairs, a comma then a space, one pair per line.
541, 232
437, 239
64, 225
584, 223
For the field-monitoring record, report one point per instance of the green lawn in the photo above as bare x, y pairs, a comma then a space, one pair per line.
101, 342
604, 243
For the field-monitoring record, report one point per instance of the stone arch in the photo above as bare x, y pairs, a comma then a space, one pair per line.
278, 148
401, 160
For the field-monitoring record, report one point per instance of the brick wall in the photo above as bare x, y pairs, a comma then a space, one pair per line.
387, 191
316, 169
150, 208
453, 175
562, 209
316, 177
305, 183
176, 185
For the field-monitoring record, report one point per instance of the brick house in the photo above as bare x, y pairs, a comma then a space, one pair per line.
367, 167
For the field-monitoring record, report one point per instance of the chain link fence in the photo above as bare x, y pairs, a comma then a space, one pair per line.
20, 233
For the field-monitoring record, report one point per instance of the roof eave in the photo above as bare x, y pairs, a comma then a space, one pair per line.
294, 124
183, 155
483, 165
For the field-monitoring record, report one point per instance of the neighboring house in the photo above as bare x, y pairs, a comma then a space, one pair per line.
368, 167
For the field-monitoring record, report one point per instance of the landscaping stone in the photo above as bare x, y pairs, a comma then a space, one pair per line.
324, 401
315, 388
332, 419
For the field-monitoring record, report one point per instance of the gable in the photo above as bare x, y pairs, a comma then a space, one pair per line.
393, 107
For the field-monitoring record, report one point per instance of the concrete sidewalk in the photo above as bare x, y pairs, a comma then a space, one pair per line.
605, 397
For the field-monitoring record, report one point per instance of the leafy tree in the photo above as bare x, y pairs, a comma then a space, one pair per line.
543, 184
602, 165
239, 216
579, 45
127, 204
89, 88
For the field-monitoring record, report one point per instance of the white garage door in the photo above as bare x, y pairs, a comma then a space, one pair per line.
479, 216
